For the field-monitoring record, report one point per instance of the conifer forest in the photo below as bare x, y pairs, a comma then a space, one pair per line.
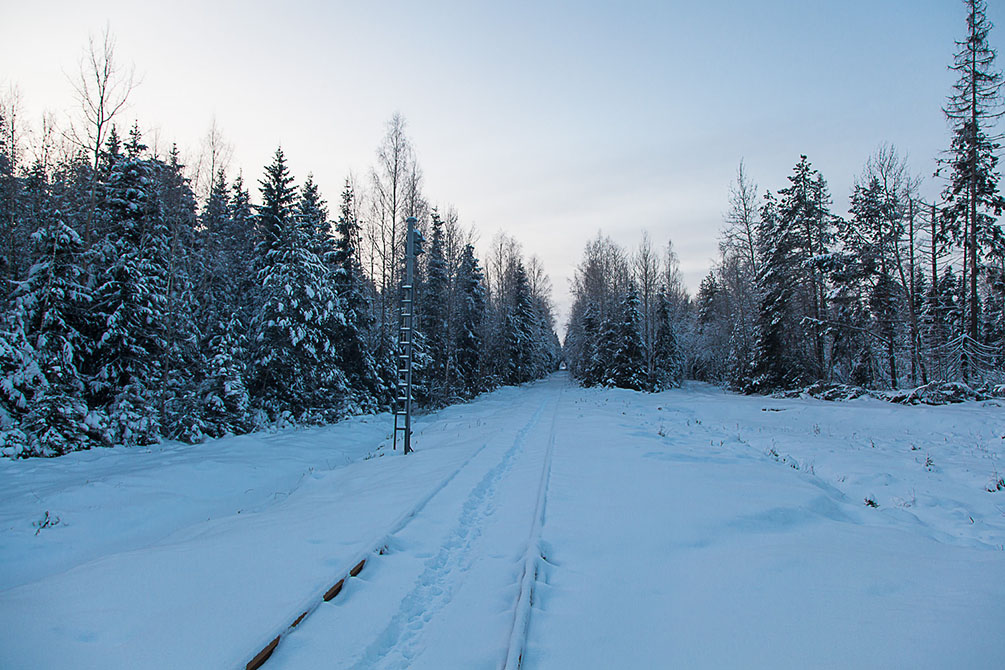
138, 311
147, 299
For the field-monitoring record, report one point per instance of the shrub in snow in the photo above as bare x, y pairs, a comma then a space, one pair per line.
45, 522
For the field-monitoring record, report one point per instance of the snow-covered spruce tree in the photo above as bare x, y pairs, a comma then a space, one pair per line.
225, 399
227, 293
37, 201
354, 357
130, 300
974, 201
14, 232
712, 330
774, 366
21, 379
238, 243
434, 318
803, 212
469, 336
312, 215
607, 346
794, 236
873, 231
668, 360
184, 361
217, 283
53, 302
628, 368
522, 345
294, 371
591, 365
574, 344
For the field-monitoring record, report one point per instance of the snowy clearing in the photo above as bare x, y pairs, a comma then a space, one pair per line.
569, 527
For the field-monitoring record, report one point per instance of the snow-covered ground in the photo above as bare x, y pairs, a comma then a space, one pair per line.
575, 528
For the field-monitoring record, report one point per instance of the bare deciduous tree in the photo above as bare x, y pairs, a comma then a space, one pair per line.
740, 235
102, 88
215, 154
396, 193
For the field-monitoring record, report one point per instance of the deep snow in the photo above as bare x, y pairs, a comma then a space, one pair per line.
691, 528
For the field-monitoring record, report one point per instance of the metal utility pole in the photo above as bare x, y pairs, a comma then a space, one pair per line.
403, 396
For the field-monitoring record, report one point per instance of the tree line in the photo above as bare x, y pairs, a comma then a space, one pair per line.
626, 318
136, 309
900, 292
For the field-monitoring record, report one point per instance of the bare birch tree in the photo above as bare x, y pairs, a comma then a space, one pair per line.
102, 88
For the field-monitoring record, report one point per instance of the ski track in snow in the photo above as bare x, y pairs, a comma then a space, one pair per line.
395, 646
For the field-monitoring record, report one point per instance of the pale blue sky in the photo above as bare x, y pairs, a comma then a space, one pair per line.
548, 120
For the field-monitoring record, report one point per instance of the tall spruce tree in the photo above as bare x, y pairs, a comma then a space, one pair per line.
773, 360
974, 202
520, 339
628, 367
183, 361
226, 402
294, 370
217, 286
434, 316
806, 222
355, 359
131, 300
239, 244
590, 364
53, 302
668, 359
469, 337
312, 216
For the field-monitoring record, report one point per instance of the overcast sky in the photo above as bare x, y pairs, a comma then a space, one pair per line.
551, 121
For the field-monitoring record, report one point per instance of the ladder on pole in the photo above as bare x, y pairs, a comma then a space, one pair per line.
404, 356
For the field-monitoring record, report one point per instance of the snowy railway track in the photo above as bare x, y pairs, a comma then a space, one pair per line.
405, 625
378, 546
532, 559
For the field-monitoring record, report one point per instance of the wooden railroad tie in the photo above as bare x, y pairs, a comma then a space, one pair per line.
261, 657
334, 591
259, 660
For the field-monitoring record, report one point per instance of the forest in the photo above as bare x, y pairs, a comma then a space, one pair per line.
146, 299
899, 293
